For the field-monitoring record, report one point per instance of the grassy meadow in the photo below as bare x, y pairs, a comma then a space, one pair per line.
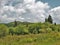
32, 39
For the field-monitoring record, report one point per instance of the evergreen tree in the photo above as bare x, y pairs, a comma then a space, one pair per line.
15, 23
46, 20
54, 23
50, 20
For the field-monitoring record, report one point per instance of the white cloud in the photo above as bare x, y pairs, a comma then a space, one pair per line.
8, 8
55, 12
20, 10
23, 10
29, 1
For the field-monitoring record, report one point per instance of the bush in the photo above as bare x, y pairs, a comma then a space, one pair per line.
21, 30
3, 30
11, 30
48, 30
42, 31
34, 29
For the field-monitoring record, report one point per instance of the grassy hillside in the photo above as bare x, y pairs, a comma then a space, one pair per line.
25, 33
32, 39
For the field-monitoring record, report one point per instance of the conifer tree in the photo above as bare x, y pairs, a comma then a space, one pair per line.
54, 23
46, 20
50, 20
15, 23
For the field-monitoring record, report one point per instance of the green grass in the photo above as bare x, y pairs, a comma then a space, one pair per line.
32, 39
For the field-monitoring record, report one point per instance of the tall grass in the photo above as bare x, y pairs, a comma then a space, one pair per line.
32, 39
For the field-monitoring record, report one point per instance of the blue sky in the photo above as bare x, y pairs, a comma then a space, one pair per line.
29, 10
52, 3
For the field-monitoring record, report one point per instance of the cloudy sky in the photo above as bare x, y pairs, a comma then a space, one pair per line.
29, 10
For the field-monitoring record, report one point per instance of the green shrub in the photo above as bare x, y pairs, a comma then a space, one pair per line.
48, 30
29, 40
42, 31
11, 30
3, 30
21, 30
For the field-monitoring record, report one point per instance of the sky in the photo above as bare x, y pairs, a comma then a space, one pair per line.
29, 10
52, 3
